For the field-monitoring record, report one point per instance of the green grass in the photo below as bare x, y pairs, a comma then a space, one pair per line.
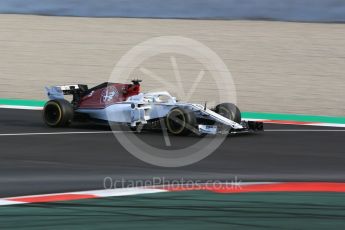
21, 102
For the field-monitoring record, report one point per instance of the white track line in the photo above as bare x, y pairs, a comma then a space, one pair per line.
21, 107
253, 119
110, 193
328, 125
304, 130
108, 132
61, 133
4, 202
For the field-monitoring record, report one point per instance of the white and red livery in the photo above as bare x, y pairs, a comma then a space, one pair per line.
125, 104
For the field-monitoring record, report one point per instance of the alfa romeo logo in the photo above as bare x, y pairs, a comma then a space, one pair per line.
109, 94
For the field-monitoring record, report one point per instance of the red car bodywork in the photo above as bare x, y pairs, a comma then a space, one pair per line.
107, 94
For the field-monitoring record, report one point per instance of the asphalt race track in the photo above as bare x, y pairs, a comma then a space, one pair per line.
36, 164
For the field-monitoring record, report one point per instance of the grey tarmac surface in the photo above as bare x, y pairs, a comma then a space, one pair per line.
36, 164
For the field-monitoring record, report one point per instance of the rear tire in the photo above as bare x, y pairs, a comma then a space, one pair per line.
58, 113
180, 122
229, 111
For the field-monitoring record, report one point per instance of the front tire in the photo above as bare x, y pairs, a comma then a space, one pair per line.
180, 122
230, 111
58, 113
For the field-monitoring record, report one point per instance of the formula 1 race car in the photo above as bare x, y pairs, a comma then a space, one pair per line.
124, 104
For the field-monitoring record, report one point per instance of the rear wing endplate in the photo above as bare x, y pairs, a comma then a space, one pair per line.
58, 92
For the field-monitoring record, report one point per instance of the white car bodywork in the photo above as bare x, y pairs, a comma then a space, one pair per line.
141, 108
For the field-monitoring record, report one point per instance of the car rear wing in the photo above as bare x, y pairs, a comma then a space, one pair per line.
58, 92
